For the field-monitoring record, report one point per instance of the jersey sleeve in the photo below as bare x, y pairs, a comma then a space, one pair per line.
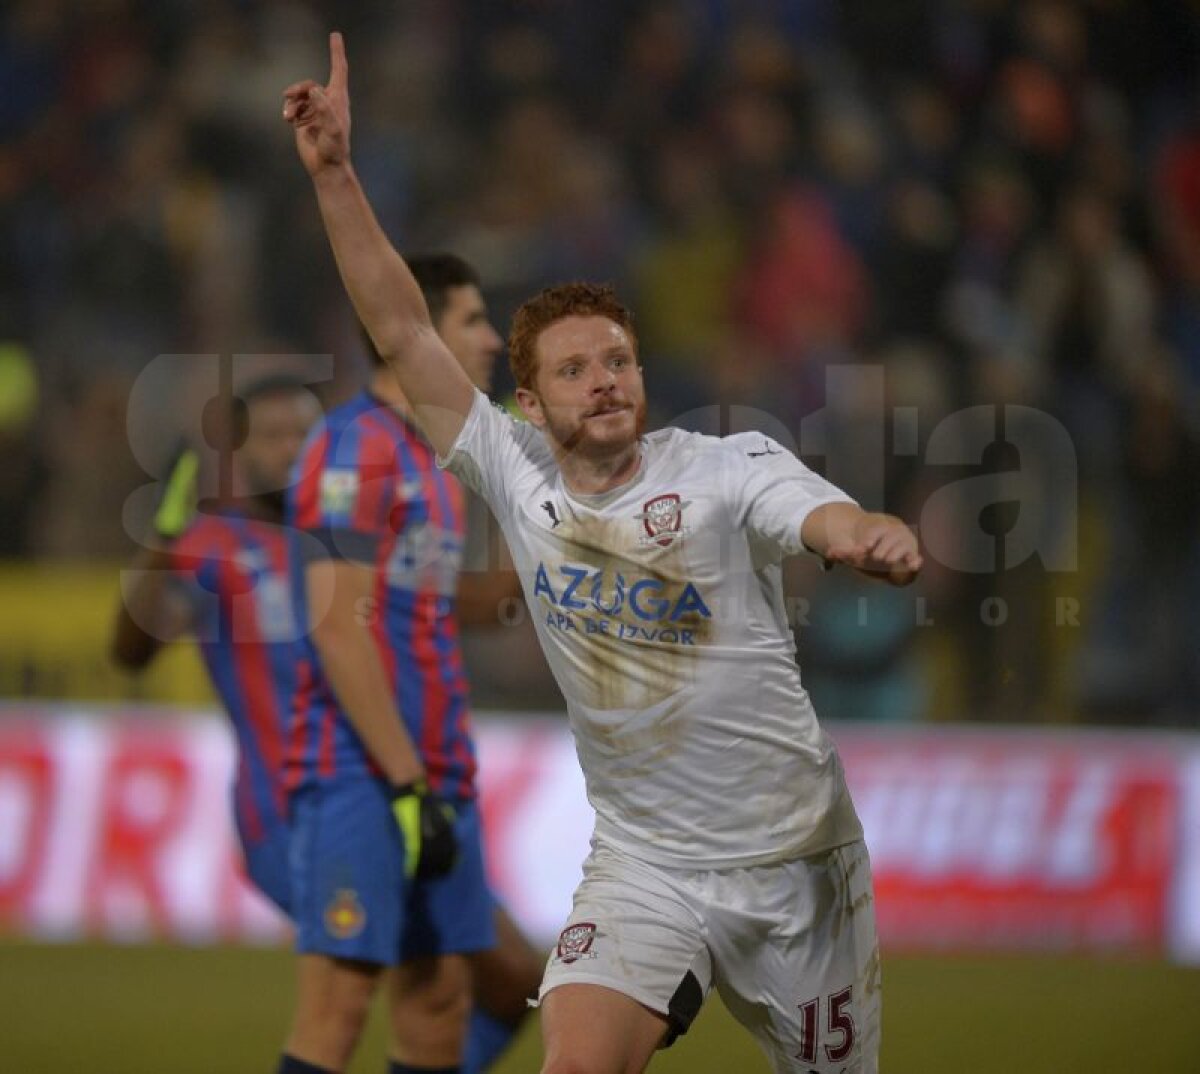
773, 492
492, 448
343, 492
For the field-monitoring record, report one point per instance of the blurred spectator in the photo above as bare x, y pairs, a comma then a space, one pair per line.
80, 515
803, 291
24, 472
1089, 304
660, 86
978, 311
684, 270
1151, 664
849, 170
916, 253
928, 133
1037, 93
1176, 204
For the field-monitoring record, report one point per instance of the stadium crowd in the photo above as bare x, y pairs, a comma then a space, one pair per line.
909, 233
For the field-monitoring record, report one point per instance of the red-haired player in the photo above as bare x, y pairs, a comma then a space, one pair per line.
727, 850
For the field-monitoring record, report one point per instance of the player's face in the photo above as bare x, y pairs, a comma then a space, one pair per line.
277, 426
588, 392
466, 330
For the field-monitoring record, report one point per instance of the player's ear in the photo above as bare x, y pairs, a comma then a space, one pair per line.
531, 406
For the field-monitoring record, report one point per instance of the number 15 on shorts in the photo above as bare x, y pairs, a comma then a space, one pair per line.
839, 1027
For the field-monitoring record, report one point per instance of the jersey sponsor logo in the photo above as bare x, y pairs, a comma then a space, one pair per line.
338, 491
575, 942
549, 508
345, 917
275, 612
270, 592
662, 519
426, 556
652, 600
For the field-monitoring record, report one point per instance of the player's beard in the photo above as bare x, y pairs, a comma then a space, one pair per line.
572, 439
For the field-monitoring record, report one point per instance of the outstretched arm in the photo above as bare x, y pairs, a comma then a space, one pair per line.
386, 297
879, 546
483, 596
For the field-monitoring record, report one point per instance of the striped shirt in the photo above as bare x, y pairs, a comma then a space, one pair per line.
367, 489
233, 571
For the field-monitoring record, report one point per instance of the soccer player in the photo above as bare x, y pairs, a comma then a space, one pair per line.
507, 974
387, 871
224, 577
726, 851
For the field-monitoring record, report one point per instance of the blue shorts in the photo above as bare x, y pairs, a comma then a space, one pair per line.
350, 898
267, 864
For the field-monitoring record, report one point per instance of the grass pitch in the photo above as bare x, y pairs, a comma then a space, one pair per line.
144, 1010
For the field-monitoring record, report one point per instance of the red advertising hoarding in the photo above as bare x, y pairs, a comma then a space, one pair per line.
116, 824
1020, 840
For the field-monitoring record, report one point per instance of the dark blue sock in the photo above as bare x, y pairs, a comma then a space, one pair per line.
487, 1038
289, 1064
404, 1068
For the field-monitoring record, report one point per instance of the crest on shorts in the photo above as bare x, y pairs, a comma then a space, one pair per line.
345, 917
662, 518
575, 942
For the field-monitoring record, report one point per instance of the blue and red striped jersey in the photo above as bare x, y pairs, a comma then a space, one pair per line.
234, 573
367, 488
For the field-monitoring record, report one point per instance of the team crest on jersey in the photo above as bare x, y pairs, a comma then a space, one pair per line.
575, 942
345, 917
409, 488
338, 490
662, 518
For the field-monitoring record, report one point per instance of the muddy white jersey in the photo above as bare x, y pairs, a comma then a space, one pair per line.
660, 608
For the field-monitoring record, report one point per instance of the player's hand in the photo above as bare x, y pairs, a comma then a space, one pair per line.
177, 506
427, 826
320, 115
883, 546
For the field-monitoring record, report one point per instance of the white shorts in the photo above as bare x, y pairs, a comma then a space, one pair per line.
791, 949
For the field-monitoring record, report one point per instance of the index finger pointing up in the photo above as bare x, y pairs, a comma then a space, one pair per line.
338, 68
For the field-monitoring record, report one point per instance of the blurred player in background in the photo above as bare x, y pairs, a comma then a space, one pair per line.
727, 850
224, 578
506, 975
387, 869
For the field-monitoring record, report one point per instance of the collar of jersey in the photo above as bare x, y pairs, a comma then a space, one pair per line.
603, 499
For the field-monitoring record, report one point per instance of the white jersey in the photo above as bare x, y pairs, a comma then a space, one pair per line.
660, 608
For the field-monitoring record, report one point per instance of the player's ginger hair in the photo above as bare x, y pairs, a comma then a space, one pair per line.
551, 305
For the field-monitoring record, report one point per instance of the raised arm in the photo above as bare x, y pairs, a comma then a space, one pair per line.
150, 612
386, 297
879, 546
